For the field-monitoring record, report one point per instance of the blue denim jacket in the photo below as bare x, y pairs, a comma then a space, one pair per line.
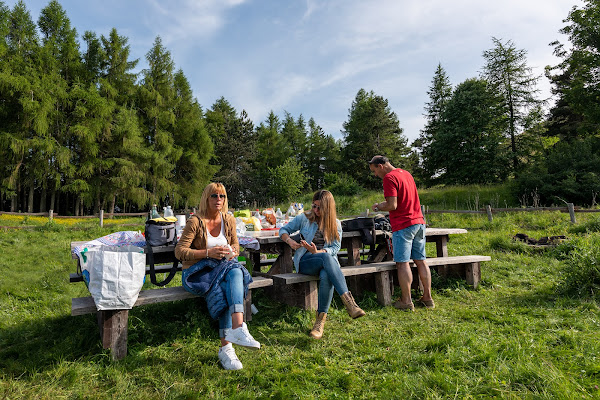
308, 230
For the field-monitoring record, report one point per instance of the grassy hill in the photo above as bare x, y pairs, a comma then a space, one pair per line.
530, 331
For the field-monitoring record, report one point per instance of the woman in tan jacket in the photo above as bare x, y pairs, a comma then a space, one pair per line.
207, 250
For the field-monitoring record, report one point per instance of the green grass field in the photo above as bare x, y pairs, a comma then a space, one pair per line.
532, 330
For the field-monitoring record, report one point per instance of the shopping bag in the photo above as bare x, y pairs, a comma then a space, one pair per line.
114, 275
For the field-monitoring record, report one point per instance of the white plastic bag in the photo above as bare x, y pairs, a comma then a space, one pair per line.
116, 275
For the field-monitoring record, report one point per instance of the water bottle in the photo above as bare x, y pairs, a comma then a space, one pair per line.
168, 212
154, 213
278, 213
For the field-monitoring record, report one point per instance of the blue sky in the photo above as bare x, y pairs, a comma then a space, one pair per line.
311, 57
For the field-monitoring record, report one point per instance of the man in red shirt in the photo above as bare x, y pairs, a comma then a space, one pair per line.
408, 227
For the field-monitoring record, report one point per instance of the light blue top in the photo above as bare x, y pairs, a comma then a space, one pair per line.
308, 230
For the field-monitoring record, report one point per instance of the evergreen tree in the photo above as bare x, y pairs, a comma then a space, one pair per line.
371, 129
322, 155
439, 93
575, 79
507, 72
235, 146
60, 69
157, 99
192, 172
27, 106
468, 146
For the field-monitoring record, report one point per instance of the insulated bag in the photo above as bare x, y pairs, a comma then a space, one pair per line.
159, 233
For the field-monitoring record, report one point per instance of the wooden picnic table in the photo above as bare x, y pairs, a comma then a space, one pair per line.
270, 243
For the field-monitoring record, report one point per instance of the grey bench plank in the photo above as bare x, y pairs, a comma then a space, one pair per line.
86, 305
371, 268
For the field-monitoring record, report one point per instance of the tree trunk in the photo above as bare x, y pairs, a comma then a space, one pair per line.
76, 206
52, 200
43, 199
30, 197
111, 207
98, 205
13, 203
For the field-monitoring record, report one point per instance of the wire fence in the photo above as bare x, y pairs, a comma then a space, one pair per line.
488, 210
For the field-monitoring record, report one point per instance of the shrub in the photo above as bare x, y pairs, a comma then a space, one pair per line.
581, 275
342, 184
286, 180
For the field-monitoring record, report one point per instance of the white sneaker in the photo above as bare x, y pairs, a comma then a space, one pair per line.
242, 337
229, 359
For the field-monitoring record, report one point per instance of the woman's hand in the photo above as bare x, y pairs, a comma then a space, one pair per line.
293, 244
312, 248
217, 252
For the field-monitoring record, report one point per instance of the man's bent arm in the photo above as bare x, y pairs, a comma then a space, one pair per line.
390, 204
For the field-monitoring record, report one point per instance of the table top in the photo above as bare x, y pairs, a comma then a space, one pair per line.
272, 236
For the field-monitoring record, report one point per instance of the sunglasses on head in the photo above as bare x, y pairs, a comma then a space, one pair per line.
217, 195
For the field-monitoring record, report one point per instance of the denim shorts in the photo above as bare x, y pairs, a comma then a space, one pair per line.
409, 243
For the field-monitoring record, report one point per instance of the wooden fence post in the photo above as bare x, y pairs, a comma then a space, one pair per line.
488, 208
101, 218
423, 212
50, 215
571, 208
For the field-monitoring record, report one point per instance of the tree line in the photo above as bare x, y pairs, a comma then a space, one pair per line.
80, 131
494, 127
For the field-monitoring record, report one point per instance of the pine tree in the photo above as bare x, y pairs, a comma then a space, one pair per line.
235, 150
192, 171
60, 69
507, 73
439, 93
372, 128
27, 106
467, 148
157, 100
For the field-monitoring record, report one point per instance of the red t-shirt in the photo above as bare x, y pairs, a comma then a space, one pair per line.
400, 184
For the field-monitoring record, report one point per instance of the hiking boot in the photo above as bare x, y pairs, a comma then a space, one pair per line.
229, 359
353, 309
242, 337
404, 307
317, 330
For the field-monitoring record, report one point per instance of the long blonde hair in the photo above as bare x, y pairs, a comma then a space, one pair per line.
215, 187
328, 220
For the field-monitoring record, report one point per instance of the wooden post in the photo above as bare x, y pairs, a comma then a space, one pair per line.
488, 208
101, 218
571, 208
50, 215
423, 212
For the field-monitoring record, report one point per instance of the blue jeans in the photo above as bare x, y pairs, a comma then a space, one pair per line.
233, 285
326, 267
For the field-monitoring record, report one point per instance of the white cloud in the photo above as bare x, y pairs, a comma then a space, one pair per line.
189, 20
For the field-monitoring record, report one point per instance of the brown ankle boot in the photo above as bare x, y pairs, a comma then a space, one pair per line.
353, 309
317, 330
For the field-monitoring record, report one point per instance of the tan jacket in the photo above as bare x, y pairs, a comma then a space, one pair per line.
193, 237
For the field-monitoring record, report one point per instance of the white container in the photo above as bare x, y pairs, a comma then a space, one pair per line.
179, 225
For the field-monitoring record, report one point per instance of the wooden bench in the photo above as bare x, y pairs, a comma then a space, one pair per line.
303, 292
113, 323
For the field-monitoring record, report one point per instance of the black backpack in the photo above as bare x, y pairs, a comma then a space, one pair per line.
364, 225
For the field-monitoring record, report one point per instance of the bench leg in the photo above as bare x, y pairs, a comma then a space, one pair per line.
248, 307
473, 274
303, 295
384, 287
113, 331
